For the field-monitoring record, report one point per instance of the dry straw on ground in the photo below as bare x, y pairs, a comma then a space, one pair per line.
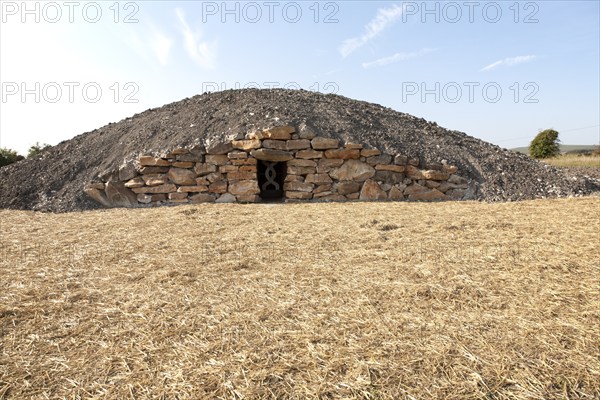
362, 300
575, 160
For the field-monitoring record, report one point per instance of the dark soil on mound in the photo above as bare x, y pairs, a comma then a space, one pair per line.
54, 180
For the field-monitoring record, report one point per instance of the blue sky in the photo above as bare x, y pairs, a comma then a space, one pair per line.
499, 71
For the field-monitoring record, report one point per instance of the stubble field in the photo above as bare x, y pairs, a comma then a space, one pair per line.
362, 300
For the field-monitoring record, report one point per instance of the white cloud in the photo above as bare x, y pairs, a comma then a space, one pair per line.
396, 57
150, 43
509, 62
202, 52
385, 17
161, 45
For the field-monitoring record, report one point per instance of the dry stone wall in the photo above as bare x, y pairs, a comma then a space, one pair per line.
278, 163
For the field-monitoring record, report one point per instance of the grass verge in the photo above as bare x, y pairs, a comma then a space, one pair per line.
574, 160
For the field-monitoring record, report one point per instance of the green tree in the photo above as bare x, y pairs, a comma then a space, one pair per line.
545, 144
8, 156
37, 149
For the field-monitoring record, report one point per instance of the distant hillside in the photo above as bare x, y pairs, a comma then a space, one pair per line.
564, 148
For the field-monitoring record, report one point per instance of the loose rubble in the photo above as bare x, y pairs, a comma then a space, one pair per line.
208, 148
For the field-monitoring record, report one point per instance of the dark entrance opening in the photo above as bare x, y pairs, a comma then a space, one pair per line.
270, 179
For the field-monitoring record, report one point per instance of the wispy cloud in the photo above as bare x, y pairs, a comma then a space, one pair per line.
202, 52
161, 46
150, 43
509, 62
396, 58
385, 17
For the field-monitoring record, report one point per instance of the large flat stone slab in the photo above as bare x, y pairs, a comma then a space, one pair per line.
271, 155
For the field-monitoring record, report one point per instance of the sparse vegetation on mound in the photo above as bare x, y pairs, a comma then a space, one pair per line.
8, 156
37, 149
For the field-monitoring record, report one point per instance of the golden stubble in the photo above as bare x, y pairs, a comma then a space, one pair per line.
453, 300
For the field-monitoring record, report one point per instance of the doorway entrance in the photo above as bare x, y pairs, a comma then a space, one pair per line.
271, 176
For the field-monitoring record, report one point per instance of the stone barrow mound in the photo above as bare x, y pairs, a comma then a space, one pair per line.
256, 145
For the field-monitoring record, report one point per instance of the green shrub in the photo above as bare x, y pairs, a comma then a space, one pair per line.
545, 144
37, 149
8, 156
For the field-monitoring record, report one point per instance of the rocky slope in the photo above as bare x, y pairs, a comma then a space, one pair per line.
54, 180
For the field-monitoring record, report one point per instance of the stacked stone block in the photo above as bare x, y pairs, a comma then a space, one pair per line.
317, 169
